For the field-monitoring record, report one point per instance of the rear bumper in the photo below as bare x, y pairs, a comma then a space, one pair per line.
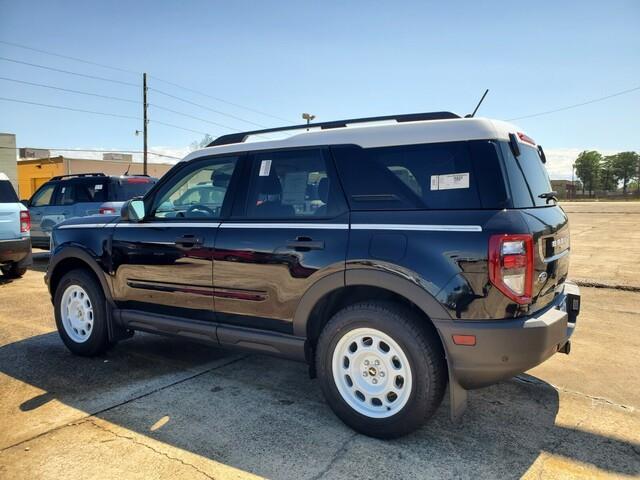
16, 250
505, 348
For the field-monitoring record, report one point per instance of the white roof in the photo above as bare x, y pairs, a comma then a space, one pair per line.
380, 135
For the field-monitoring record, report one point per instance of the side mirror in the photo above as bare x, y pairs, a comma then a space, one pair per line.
25, 202
133, 210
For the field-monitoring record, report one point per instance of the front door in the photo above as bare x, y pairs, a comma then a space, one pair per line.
164, 264
289, 231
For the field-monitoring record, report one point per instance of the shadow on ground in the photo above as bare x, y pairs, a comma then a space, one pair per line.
265, 416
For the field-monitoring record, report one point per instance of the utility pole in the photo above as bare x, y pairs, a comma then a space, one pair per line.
308, 117
144, 134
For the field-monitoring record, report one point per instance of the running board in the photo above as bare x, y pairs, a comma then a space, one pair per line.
224, 335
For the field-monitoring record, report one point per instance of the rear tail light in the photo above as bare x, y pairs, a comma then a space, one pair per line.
25, 222
511, 266
107, 211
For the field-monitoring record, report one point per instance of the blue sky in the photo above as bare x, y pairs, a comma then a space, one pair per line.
334, 59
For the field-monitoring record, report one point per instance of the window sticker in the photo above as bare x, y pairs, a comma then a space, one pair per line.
265, 168
294, 188
450, 181
98, 186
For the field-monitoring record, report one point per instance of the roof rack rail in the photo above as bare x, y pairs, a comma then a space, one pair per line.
95, 174
408, 117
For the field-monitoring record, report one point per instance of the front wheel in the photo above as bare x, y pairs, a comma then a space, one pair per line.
81, 314
382, 372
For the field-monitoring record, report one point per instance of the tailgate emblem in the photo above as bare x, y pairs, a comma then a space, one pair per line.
542, 277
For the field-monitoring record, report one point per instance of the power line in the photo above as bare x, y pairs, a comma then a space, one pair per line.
204, 107
88, 62
221, 99
67, 149
94, 77
600, 99
80, 92
60, 107
193, 116
69, 57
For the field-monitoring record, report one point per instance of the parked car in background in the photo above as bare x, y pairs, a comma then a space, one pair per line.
15, 223
71, 196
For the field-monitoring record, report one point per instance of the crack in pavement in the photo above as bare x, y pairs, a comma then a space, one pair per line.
340, 452
535, 381
138, 442
612, 286
156, 390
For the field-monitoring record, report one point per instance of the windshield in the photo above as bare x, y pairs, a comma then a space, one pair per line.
7, 193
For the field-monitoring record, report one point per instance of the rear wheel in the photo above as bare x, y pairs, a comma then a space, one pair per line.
80, 313
381, 371
13, 271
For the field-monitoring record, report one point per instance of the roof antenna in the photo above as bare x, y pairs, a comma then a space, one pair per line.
127, 172
477, 106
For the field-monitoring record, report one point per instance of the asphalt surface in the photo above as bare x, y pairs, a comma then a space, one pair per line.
156, 407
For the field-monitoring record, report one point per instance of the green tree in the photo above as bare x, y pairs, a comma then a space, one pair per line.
608, 174
206, 140
625, 167
587, 168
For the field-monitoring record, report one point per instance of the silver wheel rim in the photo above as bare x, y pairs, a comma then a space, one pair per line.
76, 312
372, 373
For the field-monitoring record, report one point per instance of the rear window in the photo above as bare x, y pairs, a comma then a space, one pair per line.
7, 193
128, 188
527, 177
440, 176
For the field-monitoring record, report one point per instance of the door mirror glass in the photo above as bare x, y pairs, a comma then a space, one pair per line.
133, 210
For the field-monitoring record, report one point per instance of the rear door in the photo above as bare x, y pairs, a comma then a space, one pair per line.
528, 182
164, 264
290, 231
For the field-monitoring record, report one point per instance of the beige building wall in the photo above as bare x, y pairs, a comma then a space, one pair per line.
8, 158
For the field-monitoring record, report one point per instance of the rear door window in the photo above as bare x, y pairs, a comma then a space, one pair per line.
7, 193
293, 184
439, 176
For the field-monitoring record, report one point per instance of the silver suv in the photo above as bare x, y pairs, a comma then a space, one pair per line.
15, 224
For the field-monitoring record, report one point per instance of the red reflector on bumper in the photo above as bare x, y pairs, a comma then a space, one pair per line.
468, 340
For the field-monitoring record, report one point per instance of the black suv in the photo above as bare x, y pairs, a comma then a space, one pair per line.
394, 258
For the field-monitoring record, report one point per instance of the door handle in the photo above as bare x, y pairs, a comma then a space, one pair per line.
304, 244
188, 241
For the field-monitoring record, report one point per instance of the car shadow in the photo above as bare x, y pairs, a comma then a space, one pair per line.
265, 416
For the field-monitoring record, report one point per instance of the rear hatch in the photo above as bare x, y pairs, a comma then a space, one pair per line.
126, 188
531, 194
9, 211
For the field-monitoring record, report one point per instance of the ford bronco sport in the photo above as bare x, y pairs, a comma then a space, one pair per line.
395, 255
15, 224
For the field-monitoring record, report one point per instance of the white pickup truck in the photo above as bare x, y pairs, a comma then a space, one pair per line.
15, 225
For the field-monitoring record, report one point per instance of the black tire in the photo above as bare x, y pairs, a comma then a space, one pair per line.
97, 341
420, 345
14, 271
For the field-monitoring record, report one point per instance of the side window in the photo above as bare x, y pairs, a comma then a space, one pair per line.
43, 196
66, 194
90, 190
198, 193
292, 184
